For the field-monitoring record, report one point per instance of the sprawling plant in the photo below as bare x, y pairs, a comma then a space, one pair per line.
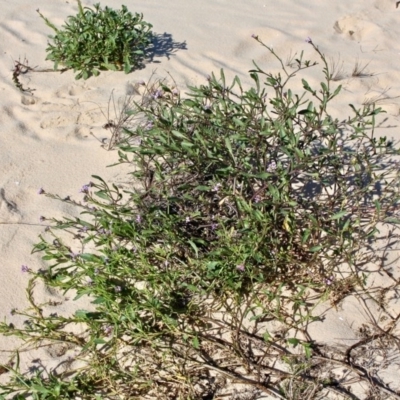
99, 39
247, 199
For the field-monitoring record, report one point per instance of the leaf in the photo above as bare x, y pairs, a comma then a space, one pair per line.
339, 215
194, 248
306, 235
102, 194
212, 264
229, 147
111, 67
203, 188
179, 135
315, 249
293, 341
196, 343
392, 220
99, 300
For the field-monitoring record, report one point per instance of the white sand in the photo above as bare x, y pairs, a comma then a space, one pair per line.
45, 139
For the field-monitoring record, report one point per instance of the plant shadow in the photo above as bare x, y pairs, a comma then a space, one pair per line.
164, 46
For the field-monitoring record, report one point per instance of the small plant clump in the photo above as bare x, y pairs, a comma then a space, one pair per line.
249, 200
99, 39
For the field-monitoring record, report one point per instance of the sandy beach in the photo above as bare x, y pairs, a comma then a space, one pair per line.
52, 136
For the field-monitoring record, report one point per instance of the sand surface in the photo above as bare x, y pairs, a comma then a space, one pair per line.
46, 137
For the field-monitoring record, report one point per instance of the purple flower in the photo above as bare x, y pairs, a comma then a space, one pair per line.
158, 94
42, 219
214, 226
24, 268
41, 191
175, 92
257, 199
254, 36
240, 267
73, 255
216, 187
329, 280
138, 219
149, 125
84, 189
308, 40
108, 330
142, 82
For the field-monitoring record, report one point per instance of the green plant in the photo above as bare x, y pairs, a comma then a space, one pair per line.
247, 201
99, 39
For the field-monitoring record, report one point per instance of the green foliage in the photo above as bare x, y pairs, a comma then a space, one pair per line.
248, 199
100, 39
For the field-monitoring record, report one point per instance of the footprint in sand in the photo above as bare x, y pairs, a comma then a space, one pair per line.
28, 100
59, 119
357, 28
72, 90
385, 5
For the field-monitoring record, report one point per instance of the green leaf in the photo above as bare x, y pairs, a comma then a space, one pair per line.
99, 300
102, 194
196, 343
339, 215
111, 67
179, 135
316, 248
195, 248
293, 341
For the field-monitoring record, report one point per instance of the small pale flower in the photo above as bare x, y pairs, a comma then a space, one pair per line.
214, 226
329, 280
118, 289
108, 330
254, 36
216, 187
138, 219
42, 219
308, 40
271, 167
187, 220
240, 267
149, 125
41, 191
